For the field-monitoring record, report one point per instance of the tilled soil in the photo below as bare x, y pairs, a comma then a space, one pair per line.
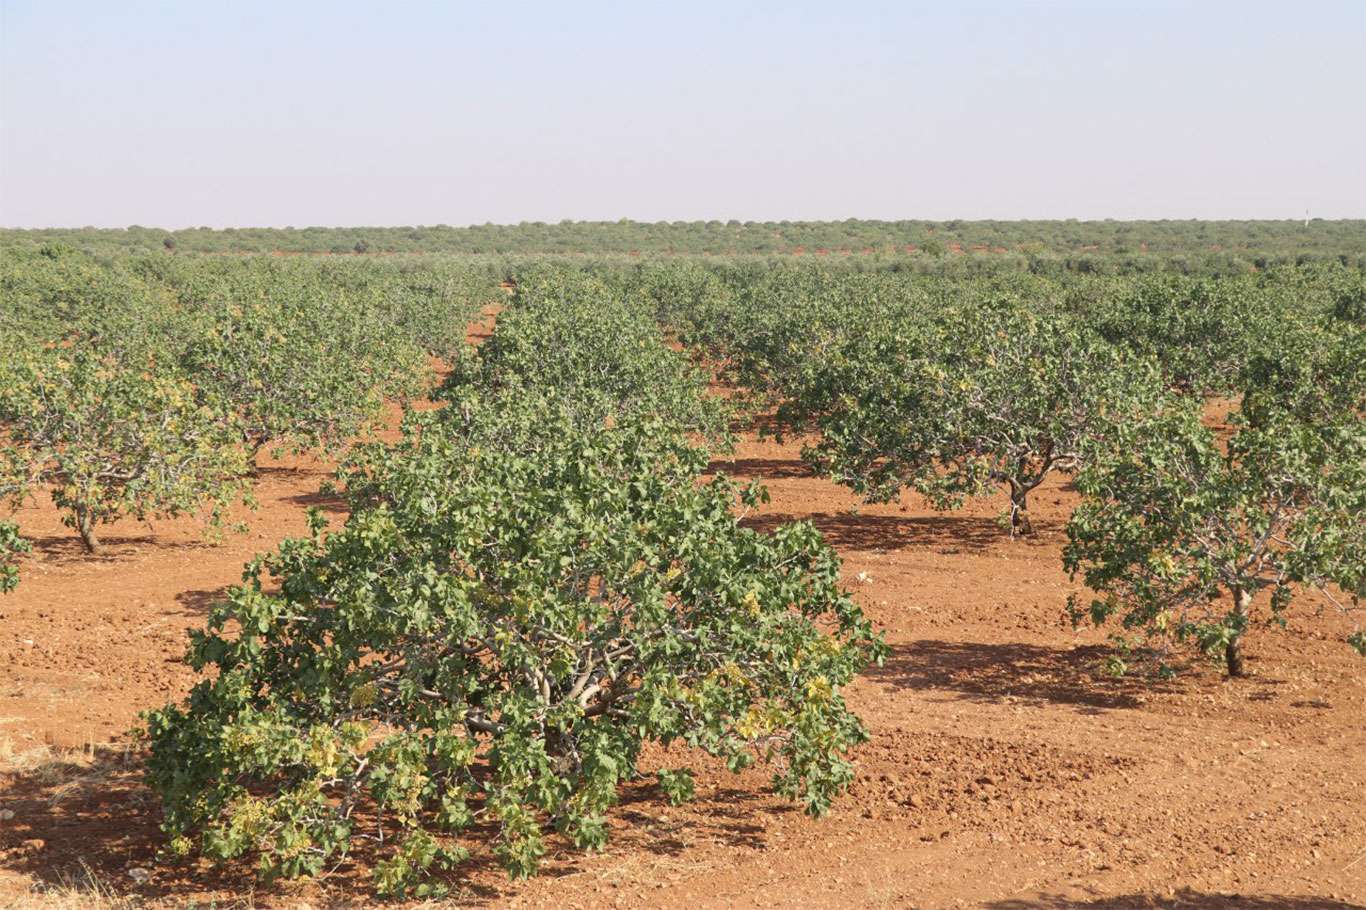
1004, 770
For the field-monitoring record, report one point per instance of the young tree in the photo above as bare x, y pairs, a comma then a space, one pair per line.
1179, 533
513, 609
110, 439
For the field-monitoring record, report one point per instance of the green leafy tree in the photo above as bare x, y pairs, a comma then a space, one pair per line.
300, 374
603, 354
1199, 331
1180, 532
110, 439
512, 610
55, 293
996, 395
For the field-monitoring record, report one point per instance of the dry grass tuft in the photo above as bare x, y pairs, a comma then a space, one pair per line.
84, 890
19, 759
65, 772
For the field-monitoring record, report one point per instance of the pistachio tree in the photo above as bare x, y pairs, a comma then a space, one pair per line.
513, 609
1199, 331
600, 352
108, 438
300, 371
997, 395
1180, 533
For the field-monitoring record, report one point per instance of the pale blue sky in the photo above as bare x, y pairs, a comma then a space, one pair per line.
341, 113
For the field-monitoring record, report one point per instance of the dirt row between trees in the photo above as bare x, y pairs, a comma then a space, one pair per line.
1003, 770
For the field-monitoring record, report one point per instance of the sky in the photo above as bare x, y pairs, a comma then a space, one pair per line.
337, 113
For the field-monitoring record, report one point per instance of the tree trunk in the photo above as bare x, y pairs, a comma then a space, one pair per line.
254, 453
1019, 510
85, 526
1233, 651
254, 443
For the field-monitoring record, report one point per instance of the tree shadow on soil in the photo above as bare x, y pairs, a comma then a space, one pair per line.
766, 468
89, 818
83, 820
322, 501
645, 829
202, 600
989, 672
60, 549
745, 421
262, 472
1184, 899
726, 815
894, 532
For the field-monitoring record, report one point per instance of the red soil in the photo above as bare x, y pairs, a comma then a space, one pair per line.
1002, 772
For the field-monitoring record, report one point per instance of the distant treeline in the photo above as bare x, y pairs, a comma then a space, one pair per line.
1102, 246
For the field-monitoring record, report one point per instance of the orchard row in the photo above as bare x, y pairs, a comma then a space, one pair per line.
149, 387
